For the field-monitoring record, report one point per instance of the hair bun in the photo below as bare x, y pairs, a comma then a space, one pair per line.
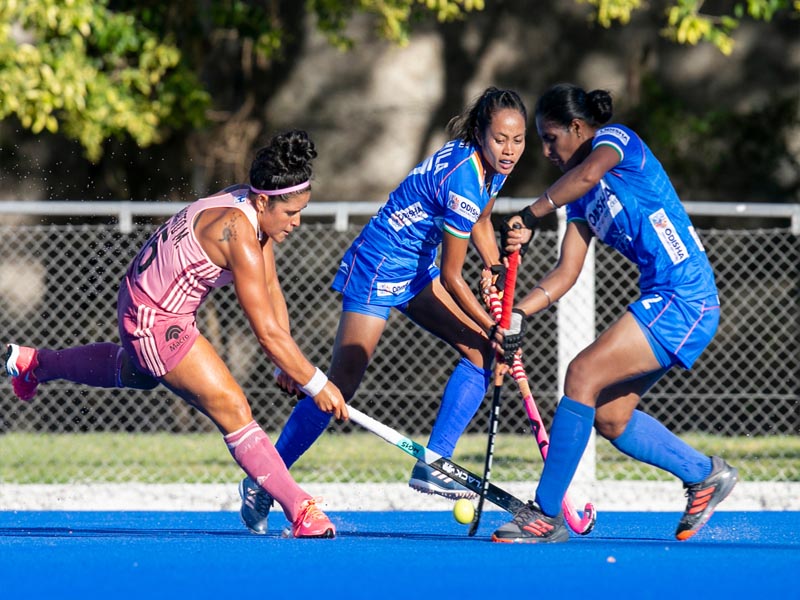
284, 162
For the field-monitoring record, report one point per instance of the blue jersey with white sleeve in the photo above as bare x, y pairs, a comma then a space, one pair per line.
394, 256
635, 210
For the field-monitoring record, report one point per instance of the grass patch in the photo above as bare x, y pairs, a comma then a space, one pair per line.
354, 457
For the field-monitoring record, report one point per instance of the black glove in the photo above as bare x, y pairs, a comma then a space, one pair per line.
500, 271
529, 221
512, 337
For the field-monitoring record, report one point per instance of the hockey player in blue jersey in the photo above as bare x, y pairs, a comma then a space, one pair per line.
617, 191
445, 202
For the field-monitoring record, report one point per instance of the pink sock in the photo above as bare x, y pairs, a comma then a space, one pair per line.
251, 448
96, 365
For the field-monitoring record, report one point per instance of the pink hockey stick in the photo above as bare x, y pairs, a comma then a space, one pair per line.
579, 524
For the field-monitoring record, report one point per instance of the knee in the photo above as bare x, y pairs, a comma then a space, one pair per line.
578, 383
609, 426
229, 410
481, 354
132, 377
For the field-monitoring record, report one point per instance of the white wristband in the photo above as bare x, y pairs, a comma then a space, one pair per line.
315, 384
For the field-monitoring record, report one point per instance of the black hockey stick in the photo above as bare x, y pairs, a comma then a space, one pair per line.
505, 320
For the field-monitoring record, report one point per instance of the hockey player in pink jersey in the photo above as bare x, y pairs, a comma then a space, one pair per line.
226, 238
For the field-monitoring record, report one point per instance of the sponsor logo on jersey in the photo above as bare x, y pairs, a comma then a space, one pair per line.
463, 207
615, 132
178, 337
173, 332
668, 236
407, 216
392, 288
601, 210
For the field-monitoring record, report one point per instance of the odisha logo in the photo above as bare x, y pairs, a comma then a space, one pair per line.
173, 333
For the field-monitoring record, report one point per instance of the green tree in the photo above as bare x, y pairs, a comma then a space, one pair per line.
95, 70
687, 23
75, 66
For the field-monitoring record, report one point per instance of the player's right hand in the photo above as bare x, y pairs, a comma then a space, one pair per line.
518, 231
513, 336
330, 400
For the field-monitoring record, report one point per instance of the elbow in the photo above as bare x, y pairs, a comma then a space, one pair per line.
589, 177
448, 283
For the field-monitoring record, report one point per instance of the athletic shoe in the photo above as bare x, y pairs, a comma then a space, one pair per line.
256, 503
21, 361
428, 480
311, 522
704, 496
531, 526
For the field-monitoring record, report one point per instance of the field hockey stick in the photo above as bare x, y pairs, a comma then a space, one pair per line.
494, 417
466, 478
579, 524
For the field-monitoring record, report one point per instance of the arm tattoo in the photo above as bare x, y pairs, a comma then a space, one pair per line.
229, 230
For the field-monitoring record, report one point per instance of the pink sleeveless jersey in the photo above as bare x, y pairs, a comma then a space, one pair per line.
166, 283
172, 271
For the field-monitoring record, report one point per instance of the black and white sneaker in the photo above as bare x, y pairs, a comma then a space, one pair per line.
531, 526
428, 480
703, 497
256, 504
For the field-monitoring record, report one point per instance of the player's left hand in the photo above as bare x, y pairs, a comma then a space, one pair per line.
490, 292
286, 383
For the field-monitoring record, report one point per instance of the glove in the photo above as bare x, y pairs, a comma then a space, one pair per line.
500, 280
512, 337
529, 221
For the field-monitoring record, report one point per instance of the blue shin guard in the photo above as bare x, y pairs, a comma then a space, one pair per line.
572, 427
305, 425
462, 397
648, 441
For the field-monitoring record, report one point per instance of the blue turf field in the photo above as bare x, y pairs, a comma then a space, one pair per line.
391, 555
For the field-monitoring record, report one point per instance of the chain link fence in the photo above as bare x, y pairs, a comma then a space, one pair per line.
58, 285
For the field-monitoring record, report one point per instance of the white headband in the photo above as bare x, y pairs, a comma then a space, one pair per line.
286, 190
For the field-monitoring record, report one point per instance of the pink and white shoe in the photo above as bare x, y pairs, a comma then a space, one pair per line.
311, 522
21, 361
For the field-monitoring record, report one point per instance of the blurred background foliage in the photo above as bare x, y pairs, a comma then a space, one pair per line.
152, 100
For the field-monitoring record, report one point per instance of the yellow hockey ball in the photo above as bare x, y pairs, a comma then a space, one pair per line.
463, 511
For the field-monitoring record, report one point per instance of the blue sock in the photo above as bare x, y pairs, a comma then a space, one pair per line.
647, 440
462, 397
572, 426
305, 425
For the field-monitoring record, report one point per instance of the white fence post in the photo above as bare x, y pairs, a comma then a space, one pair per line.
576, 330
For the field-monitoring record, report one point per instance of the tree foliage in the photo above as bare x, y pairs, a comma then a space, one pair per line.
75, 66
100, 69
688, 24
394, 17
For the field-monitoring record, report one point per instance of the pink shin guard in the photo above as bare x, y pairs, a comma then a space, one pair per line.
253, 451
